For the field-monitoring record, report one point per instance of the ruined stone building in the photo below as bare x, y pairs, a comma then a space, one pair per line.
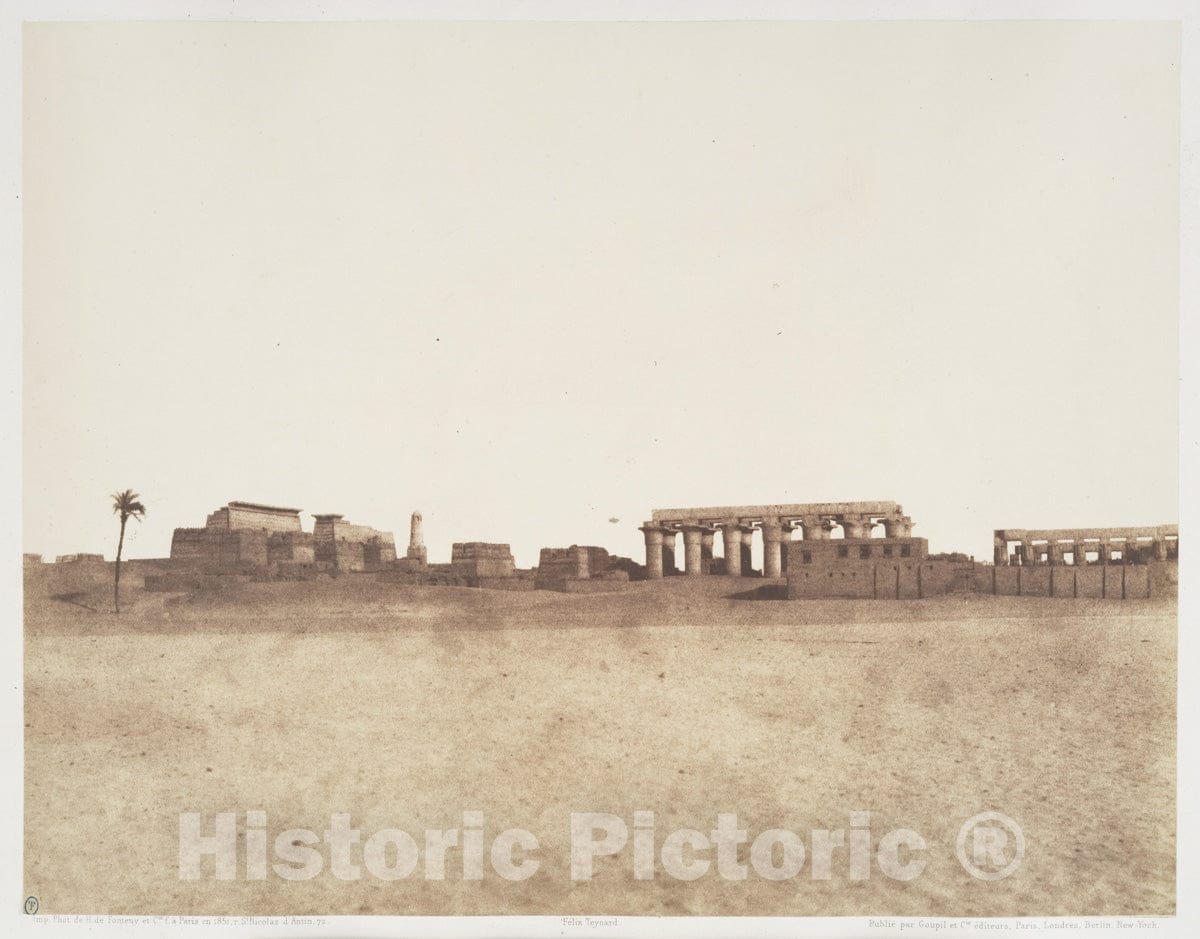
1082, 546
578, 568
776, 525
78, 558
341, 546
1107, 563
242, 537
1124, 563
246, 537
478, 559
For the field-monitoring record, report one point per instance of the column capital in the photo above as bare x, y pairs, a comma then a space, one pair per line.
772, 528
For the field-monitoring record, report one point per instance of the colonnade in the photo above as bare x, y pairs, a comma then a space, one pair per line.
738, 524
1028, 547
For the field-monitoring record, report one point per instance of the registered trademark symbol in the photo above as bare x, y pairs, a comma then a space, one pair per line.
31, 905
997, 846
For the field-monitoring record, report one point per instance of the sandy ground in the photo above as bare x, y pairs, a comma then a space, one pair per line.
405, 707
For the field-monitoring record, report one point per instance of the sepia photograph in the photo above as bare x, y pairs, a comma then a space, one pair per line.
621, 471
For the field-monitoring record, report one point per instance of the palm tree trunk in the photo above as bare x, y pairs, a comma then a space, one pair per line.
117, 570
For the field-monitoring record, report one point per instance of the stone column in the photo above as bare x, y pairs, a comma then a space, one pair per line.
1129, 554
815, 530
1053, 553
733, 549
999, 551
654, 552
668, 551
706, 550
1080, 553
852, 526
1160, 549
1026, 550
747, 548
691, 550
772, 548
1102, 552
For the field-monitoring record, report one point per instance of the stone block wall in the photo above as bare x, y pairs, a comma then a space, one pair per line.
1091, 581
238, 515
475, 559
558, 567
910, 580
871, 580
290, 547
347, 547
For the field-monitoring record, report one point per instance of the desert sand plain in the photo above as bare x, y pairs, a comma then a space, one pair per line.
407, 706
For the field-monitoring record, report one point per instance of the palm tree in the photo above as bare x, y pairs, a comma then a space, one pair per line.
126, 505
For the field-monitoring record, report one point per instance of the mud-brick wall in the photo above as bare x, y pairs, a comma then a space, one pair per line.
191, 544
347, 555
290, 547
217, 550
251, 549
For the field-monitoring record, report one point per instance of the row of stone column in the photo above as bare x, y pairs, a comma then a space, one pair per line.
1030, 554
698, 542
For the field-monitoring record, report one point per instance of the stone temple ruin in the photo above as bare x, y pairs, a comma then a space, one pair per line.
580, 569
898, 565
775, 524
346, 547
863, 550
248, 538
1082, 546
1118, 563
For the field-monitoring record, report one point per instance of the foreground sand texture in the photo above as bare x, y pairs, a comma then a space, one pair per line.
406, 706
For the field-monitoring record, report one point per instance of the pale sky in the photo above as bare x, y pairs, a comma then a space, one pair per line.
526, 278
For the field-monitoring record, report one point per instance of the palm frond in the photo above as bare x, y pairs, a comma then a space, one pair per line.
126, 503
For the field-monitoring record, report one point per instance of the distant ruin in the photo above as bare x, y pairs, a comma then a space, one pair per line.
898, 565
863, 550
775, 524
580, 568
416, 542
1082, 546
478, 559
246, 537
77, 558
341, 546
